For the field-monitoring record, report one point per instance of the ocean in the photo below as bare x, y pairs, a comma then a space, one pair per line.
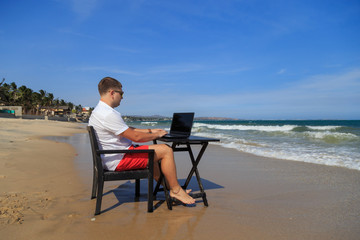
327, 142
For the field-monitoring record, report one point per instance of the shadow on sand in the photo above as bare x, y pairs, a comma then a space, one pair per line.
125, 192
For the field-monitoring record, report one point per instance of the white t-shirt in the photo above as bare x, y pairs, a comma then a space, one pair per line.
108, 124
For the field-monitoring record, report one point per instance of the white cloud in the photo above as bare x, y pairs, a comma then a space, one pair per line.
321, 96
176, 68
122, 49
83, 8
349, 80
232, 71
282, 71
77, 34
108, 69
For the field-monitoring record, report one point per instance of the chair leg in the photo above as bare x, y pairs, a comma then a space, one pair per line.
137, 188
94, 187
150, 193
99, 197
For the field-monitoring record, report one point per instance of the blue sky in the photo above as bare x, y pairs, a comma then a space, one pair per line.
275, 59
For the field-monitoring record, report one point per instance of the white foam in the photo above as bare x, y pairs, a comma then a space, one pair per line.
288, 151
284, 128
149, 123
301, 155
323, 128
327, 145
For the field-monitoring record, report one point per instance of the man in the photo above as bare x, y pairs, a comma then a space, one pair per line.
113, 133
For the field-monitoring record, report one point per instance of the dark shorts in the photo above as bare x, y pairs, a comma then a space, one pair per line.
132, 161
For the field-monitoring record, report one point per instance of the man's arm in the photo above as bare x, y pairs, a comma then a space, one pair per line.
142, 135
147, 130
141, 130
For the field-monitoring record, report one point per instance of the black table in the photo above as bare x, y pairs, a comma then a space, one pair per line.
184, 145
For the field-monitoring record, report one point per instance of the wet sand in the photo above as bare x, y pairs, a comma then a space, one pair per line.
45, 191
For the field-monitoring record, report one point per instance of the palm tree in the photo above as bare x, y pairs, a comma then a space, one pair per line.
31, 101
49, 99
42, 94
78, 108
13, 94
62, 102
24, 98
36, 102
4, 92
70, 105
56, 103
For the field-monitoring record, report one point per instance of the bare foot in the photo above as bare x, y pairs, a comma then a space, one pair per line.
182, 196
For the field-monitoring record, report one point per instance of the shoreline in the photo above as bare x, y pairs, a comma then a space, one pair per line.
284, 159
250, 197
322, 142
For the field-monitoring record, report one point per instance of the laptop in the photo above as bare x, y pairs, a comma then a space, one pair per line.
181, 125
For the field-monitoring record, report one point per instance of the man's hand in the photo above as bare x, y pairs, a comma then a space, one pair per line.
160, 132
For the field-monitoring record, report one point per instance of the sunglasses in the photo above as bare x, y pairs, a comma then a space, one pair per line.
120, 92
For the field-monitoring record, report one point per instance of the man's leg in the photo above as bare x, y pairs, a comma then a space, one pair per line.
156, 171
164, 153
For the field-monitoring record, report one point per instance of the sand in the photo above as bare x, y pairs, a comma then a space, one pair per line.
45, 188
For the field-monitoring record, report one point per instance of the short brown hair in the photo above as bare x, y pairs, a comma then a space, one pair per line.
108, 83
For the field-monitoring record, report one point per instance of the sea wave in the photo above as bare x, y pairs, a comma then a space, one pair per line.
320, 142
149, 123
319, 131
332, 137
324, 128
303, 151
263, 128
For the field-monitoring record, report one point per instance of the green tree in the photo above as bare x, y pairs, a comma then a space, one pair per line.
36, 102
24, 98
4, 92
78, 108
70, 105
13, 94
56, 103
31, 101
62, 102
49, 99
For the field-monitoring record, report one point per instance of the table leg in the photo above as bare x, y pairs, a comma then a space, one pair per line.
195, 170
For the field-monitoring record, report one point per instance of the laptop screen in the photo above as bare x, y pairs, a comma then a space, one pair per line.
182, 123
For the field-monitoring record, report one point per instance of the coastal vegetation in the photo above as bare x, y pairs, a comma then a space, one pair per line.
32, 102
43, 103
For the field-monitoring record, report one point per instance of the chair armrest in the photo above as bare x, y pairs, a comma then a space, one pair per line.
124, 151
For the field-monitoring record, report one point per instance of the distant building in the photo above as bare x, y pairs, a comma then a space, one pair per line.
15, 110
86, 111
55, 111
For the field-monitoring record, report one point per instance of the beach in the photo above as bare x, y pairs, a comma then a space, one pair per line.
45, 187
